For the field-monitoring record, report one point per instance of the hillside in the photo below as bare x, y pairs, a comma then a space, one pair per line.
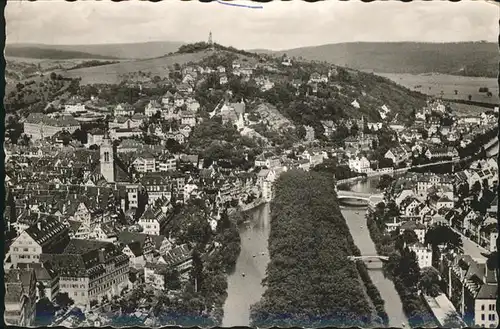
465, 58
47, 53
110, 51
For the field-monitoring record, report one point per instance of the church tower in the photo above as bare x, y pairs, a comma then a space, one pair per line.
106, 160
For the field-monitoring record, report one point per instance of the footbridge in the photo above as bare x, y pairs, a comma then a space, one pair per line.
370, 258
353, 195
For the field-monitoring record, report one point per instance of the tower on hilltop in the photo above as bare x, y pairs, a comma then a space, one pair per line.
210, 41
106, 159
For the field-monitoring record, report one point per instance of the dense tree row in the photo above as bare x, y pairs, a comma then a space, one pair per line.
310, 280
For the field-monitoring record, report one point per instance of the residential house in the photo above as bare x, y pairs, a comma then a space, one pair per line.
123, 109
359, 164
152, 108
47, 235
423, 253
265, 179
418, 228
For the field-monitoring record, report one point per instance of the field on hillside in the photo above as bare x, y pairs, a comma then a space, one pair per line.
111, 73
433, 84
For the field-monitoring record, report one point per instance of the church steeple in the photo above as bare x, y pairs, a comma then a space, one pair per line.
106, 161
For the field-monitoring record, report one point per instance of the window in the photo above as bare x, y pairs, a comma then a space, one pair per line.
482, 316
76, 294
482, 307
492, 307
492, 317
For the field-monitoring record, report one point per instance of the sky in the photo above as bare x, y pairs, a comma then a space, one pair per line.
278, 25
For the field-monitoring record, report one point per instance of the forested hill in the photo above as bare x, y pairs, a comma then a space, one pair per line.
54, 54
140, 50
463, 58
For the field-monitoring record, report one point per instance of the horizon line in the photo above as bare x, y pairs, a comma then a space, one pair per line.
246, 49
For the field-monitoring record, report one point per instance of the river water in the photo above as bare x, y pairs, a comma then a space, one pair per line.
356, 222
243, 291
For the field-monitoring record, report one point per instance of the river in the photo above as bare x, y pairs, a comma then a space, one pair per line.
355, 219
243, 291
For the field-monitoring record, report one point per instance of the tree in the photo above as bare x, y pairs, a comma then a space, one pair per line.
429, 282
384, 182
408, 237
443, 235
197, 271
301, 132
63, 300
476, 188
53, 76
470, 97
45, 312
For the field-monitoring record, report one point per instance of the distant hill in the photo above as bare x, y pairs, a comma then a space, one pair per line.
464, 58
105, 51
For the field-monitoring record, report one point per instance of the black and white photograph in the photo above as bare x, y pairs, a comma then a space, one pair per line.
259, 164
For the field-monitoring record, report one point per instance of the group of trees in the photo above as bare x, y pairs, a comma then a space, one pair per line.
310, 280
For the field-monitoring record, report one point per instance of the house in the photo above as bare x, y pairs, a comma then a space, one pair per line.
153, 221
397, 155
95, 137
359, 164
265, 179
134, 251
119, 133
123, 109
129, 146
178, 259
188, 118
40, 126
410, 207
90, 270
20, 297
145, 162
418, 228
444, 202
157, 186
47, 279
152, 108
47, 234
184, 88
480, 287
317, 78
124, 122
441, 152
223, 79
423, 253
106, 232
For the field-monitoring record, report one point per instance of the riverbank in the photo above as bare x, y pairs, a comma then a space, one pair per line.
310, 280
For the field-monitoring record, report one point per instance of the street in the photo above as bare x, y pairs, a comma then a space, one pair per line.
471, 248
